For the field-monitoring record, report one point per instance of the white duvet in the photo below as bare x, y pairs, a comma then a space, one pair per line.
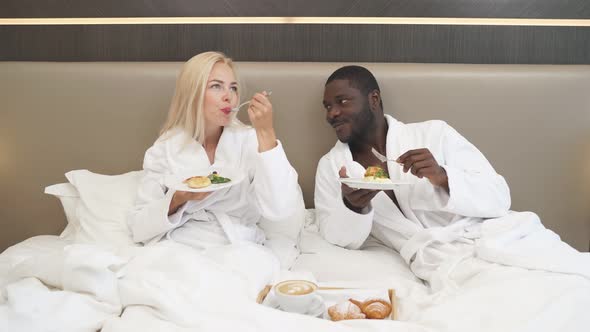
49, 284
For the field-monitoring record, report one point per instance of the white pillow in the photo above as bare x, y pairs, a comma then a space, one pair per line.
69, 198
105, 201
96, 206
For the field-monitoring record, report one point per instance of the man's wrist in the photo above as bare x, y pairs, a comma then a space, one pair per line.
444, 179
363, 210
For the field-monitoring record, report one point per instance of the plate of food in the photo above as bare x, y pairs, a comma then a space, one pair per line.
199, 182
376, 178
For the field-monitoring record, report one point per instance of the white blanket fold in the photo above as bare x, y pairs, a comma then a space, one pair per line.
32, 306
520, 239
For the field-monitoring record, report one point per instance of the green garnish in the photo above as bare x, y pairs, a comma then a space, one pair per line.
381, 174
216, 179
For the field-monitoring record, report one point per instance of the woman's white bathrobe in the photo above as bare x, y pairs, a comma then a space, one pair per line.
269, 190
434, 231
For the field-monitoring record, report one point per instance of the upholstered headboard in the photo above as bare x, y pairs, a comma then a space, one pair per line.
532, 123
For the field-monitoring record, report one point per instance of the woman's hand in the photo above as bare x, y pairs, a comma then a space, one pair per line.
260, 113
181, 197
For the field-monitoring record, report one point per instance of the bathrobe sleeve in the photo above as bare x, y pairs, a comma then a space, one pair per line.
275, 188
149, 219
475, 189
338, 224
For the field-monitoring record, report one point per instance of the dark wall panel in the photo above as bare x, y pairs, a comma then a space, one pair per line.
368, 43
380, 8
259, 42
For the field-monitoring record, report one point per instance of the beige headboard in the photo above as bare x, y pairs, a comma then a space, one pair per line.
532, 122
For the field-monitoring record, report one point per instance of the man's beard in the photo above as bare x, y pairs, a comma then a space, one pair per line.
364, 124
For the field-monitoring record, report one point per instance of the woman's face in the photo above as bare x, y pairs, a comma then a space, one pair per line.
221, 95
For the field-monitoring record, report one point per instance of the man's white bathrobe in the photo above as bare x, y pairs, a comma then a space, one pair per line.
269, 190
435, 231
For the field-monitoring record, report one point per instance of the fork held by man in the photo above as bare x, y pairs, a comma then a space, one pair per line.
382, 158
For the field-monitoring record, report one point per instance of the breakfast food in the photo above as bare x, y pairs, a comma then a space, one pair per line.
353, 309
216, 178
374, 308
198, 182
345, 310
376, 174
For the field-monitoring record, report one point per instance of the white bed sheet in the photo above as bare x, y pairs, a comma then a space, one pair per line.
374, 264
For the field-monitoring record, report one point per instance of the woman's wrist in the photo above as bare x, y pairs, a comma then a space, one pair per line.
267, 139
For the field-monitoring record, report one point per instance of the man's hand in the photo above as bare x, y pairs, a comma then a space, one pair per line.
358, 200
422, 164
181, 197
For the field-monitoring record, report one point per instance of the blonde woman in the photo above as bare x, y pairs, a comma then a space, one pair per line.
202, 133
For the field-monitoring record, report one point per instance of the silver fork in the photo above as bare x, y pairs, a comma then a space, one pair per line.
381, 157
237, 108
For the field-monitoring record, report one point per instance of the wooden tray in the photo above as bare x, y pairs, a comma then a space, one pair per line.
392, 298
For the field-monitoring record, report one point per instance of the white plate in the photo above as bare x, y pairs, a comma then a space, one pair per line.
175, 182
363, 184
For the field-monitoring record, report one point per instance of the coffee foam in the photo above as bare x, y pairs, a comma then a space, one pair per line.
296, 287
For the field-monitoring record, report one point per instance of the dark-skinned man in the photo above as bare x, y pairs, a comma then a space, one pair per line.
451, 221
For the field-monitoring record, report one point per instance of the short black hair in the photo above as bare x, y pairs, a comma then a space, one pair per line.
358, 77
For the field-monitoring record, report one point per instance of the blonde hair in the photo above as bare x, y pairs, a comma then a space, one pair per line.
186, 108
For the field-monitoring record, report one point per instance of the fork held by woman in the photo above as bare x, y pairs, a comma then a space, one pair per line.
237, 108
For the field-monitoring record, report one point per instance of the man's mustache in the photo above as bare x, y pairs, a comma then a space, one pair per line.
336, 123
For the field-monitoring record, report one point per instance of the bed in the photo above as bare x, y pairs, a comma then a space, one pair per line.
71, 143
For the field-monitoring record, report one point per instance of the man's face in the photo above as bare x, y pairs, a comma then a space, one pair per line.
347, 111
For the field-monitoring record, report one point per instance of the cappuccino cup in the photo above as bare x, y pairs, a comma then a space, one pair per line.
295, 295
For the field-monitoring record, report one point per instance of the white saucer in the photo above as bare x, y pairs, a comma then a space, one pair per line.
316, 309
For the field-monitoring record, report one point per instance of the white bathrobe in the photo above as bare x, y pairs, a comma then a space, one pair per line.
269, 190
435, 231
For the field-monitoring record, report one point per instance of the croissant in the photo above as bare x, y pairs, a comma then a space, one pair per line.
374, 308
345, 310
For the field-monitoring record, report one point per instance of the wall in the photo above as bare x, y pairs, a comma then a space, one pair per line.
443, 42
